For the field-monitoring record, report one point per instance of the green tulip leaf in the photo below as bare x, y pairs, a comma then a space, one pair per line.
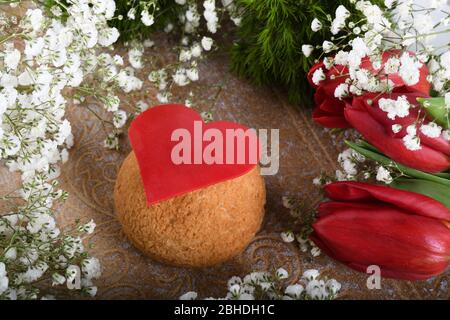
431, 189
435, 107
372, 153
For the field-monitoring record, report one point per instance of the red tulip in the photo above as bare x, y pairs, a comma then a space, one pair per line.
406, 234
376, 128
329, 111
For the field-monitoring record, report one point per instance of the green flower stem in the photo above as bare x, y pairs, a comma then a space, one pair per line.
370, 152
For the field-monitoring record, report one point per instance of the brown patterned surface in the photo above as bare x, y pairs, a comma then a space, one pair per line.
306, 150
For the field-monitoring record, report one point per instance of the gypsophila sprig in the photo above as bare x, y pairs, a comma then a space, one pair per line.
264, 286
46, 62
305, 218
189, 23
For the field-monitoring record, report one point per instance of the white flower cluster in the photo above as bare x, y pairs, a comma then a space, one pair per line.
304, 242
375, 34
348, 160
297, 210
263, 285
192, 45
54, 61
369, 51
33, 245
383, 175
400, 108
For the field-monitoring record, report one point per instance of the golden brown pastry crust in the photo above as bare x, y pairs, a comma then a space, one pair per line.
200, 228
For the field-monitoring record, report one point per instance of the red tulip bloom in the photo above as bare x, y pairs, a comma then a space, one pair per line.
329, 111
375, 126
406, 234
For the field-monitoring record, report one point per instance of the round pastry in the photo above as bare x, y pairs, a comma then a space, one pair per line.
200, 228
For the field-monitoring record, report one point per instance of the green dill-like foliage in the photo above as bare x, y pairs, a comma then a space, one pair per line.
271, 34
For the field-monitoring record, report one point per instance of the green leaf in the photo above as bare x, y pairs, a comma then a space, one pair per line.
435, 107
431, 189
367, 150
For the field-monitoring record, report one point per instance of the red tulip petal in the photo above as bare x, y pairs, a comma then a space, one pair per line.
400, 243
412, 202
425, 159
329, 120
328, 207
329, 112
439, 144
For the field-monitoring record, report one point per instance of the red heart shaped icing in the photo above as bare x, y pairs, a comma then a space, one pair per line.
153, 140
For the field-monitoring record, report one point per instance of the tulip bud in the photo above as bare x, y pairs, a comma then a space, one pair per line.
406, 234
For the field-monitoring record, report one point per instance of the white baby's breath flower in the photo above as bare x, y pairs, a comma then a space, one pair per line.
431, 130
288, 236
120, 118
141, 106
307, 49
163, 97
146, 18
412, 142
135, 58
282, 273
12, 59
192, 74
389, 3
4, 281
341, 91
409, 69
191, 295
91, 268
294, 290
341, 58
91, 291
392, 65
384, 175
327, 46
318, 76
396, 128
395, 108
131, 14
108, 36
58, 279
446, 135
333, 286
316, 25
315, 251
207, 43
311, 274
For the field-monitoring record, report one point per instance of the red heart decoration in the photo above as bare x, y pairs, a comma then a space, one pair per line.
151, 135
